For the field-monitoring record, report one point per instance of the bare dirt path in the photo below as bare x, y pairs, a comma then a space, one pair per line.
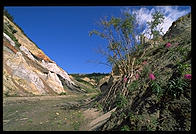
42, 113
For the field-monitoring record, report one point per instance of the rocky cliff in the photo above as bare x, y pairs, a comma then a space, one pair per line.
27, 70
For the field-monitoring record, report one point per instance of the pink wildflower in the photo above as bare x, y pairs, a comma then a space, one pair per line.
168, 45
145, 62
136, 76
152, 77
187, 76
125, 79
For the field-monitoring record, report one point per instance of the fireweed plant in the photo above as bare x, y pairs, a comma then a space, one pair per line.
178, 85
155, 85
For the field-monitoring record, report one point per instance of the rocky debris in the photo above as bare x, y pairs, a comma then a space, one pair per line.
100, 120
92, 113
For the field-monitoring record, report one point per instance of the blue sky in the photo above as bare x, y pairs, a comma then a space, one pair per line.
63, 32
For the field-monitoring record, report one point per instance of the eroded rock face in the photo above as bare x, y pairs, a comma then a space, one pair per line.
10, 40
21, 69
26, 51
54, 82
27, 70
54, 68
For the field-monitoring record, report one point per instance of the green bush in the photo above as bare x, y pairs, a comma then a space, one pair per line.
125, 128
133, 86
152, 125
98, 105
145, 72
156, 88
177, 86
76, 125
184, 68
121, 101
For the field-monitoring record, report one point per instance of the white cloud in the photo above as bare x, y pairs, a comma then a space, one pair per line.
143, 15
171, 13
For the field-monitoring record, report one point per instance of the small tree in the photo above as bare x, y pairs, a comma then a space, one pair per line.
120, 34
157, 19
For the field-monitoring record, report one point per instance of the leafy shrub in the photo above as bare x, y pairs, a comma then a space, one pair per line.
156, 88
123, 115
138, 61
184, 68
76, 125
134, 85
121, 101
177, 86
125, 128
132, 117
98, 105
152, 125
94, 96
145, 71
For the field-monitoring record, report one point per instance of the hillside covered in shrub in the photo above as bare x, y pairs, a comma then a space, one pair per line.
157, 96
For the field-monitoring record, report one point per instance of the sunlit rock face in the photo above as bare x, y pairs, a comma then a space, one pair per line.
9, 39
26, 51
54, 82
54, 68
27, 71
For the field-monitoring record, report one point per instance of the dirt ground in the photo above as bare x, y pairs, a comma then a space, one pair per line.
44, 113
